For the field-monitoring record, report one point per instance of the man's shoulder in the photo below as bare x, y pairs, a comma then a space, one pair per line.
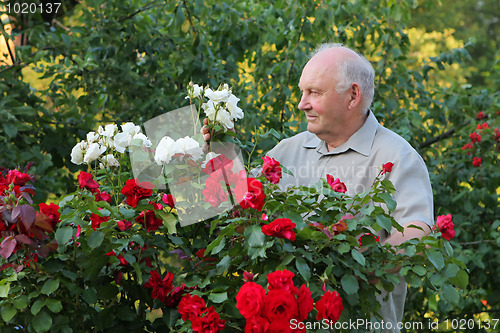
386, 139
300, 139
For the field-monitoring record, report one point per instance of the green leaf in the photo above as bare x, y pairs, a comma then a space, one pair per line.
389, 201
359, 257
54, 305
37, 306
349, 284
42, 322
254, 236
303, 268
451, 294
218, 297
10, 129
95, 239
90, 295
419, 270
436, 258
21, 302
384, 222
343, 248
461, 280
8, 312
63, 235
223, 265
4, 290
50, 286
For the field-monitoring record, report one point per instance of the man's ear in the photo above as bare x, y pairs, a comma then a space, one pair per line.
354, 96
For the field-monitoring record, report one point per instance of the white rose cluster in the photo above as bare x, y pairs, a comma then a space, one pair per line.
107, 137
221, 106
168, 147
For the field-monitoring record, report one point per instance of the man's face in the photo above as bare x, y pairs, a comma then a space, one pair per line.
325, 109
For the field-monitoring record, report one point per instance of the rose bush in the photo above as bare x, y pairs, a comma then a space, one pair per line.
113, 255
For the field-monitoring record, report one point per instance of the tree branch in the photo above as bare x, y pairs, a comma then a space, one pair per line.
442, 136
150, 5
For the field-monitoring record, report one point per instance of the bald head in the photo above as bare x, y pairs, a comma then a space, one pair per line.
346, 67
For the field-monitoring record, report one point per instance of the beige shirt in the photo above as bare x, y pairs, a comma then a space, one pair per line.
357, 163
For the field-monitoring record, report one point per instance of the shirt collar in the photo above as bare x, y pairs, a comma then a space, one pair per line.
361, 141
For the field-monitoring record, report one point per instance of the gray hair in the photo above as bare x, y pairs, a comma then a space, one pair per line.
354, 69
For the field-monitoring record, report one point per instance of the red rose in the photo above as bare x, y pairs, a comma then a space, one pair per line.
329, 306
214, 193
480, 115
161, 287
250, 299
218, 164
97, 220
208, 322
149, 220
387, 167
282, 280
172, 300
280, 326
476, 161
279, 305
257, 324
468, 146
281, 228
169, 200
376, 238
251, 194
191, 306
482, 126
247, 276
124, 225
497, 134
446, 226
16, 177
135, 191
51, 211
336, 184
475, 137
102, 196
86, 181
305, 303
271, 169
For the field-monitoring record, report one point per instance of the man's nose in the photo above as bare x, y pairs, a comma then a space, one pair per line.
304, 103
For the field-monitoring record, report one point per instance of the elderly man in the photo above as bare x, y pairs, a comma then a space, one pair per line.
345, 140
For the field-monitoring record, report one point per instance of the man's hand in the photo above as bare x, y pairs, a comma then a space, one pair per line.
205, 131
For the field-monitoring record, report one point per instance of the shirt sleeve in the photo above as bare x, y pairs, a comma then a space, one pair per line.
413, 193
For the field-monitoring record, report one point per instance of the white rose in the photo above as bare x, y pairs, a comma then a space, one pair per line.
108, 131
109, 161
122, 141
93, 152
194, 91
92, 137
77, 152
223, 116
189, 146
131, 128
164, 150
217, 96
235, 111
210, 155
145, 141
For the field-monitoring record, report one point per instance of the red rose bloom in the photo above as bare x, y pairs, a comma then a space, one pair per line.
446, 226
169, 200
271, 169
97, 220
281, 228
149, 220
475, 137
497, 134
102, 196
218, 164
279, 305
250, 299
208, 322
329, 306
476, 161
336, 184
51, 211
305, 303
191, 306
135, 191
161, 287
282, 280
214, 193
280, 326
480, 115
468, 146
16, 177
257, 324
387, 167
482, 126
86, 181
124, 225
172, 300
251, 194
